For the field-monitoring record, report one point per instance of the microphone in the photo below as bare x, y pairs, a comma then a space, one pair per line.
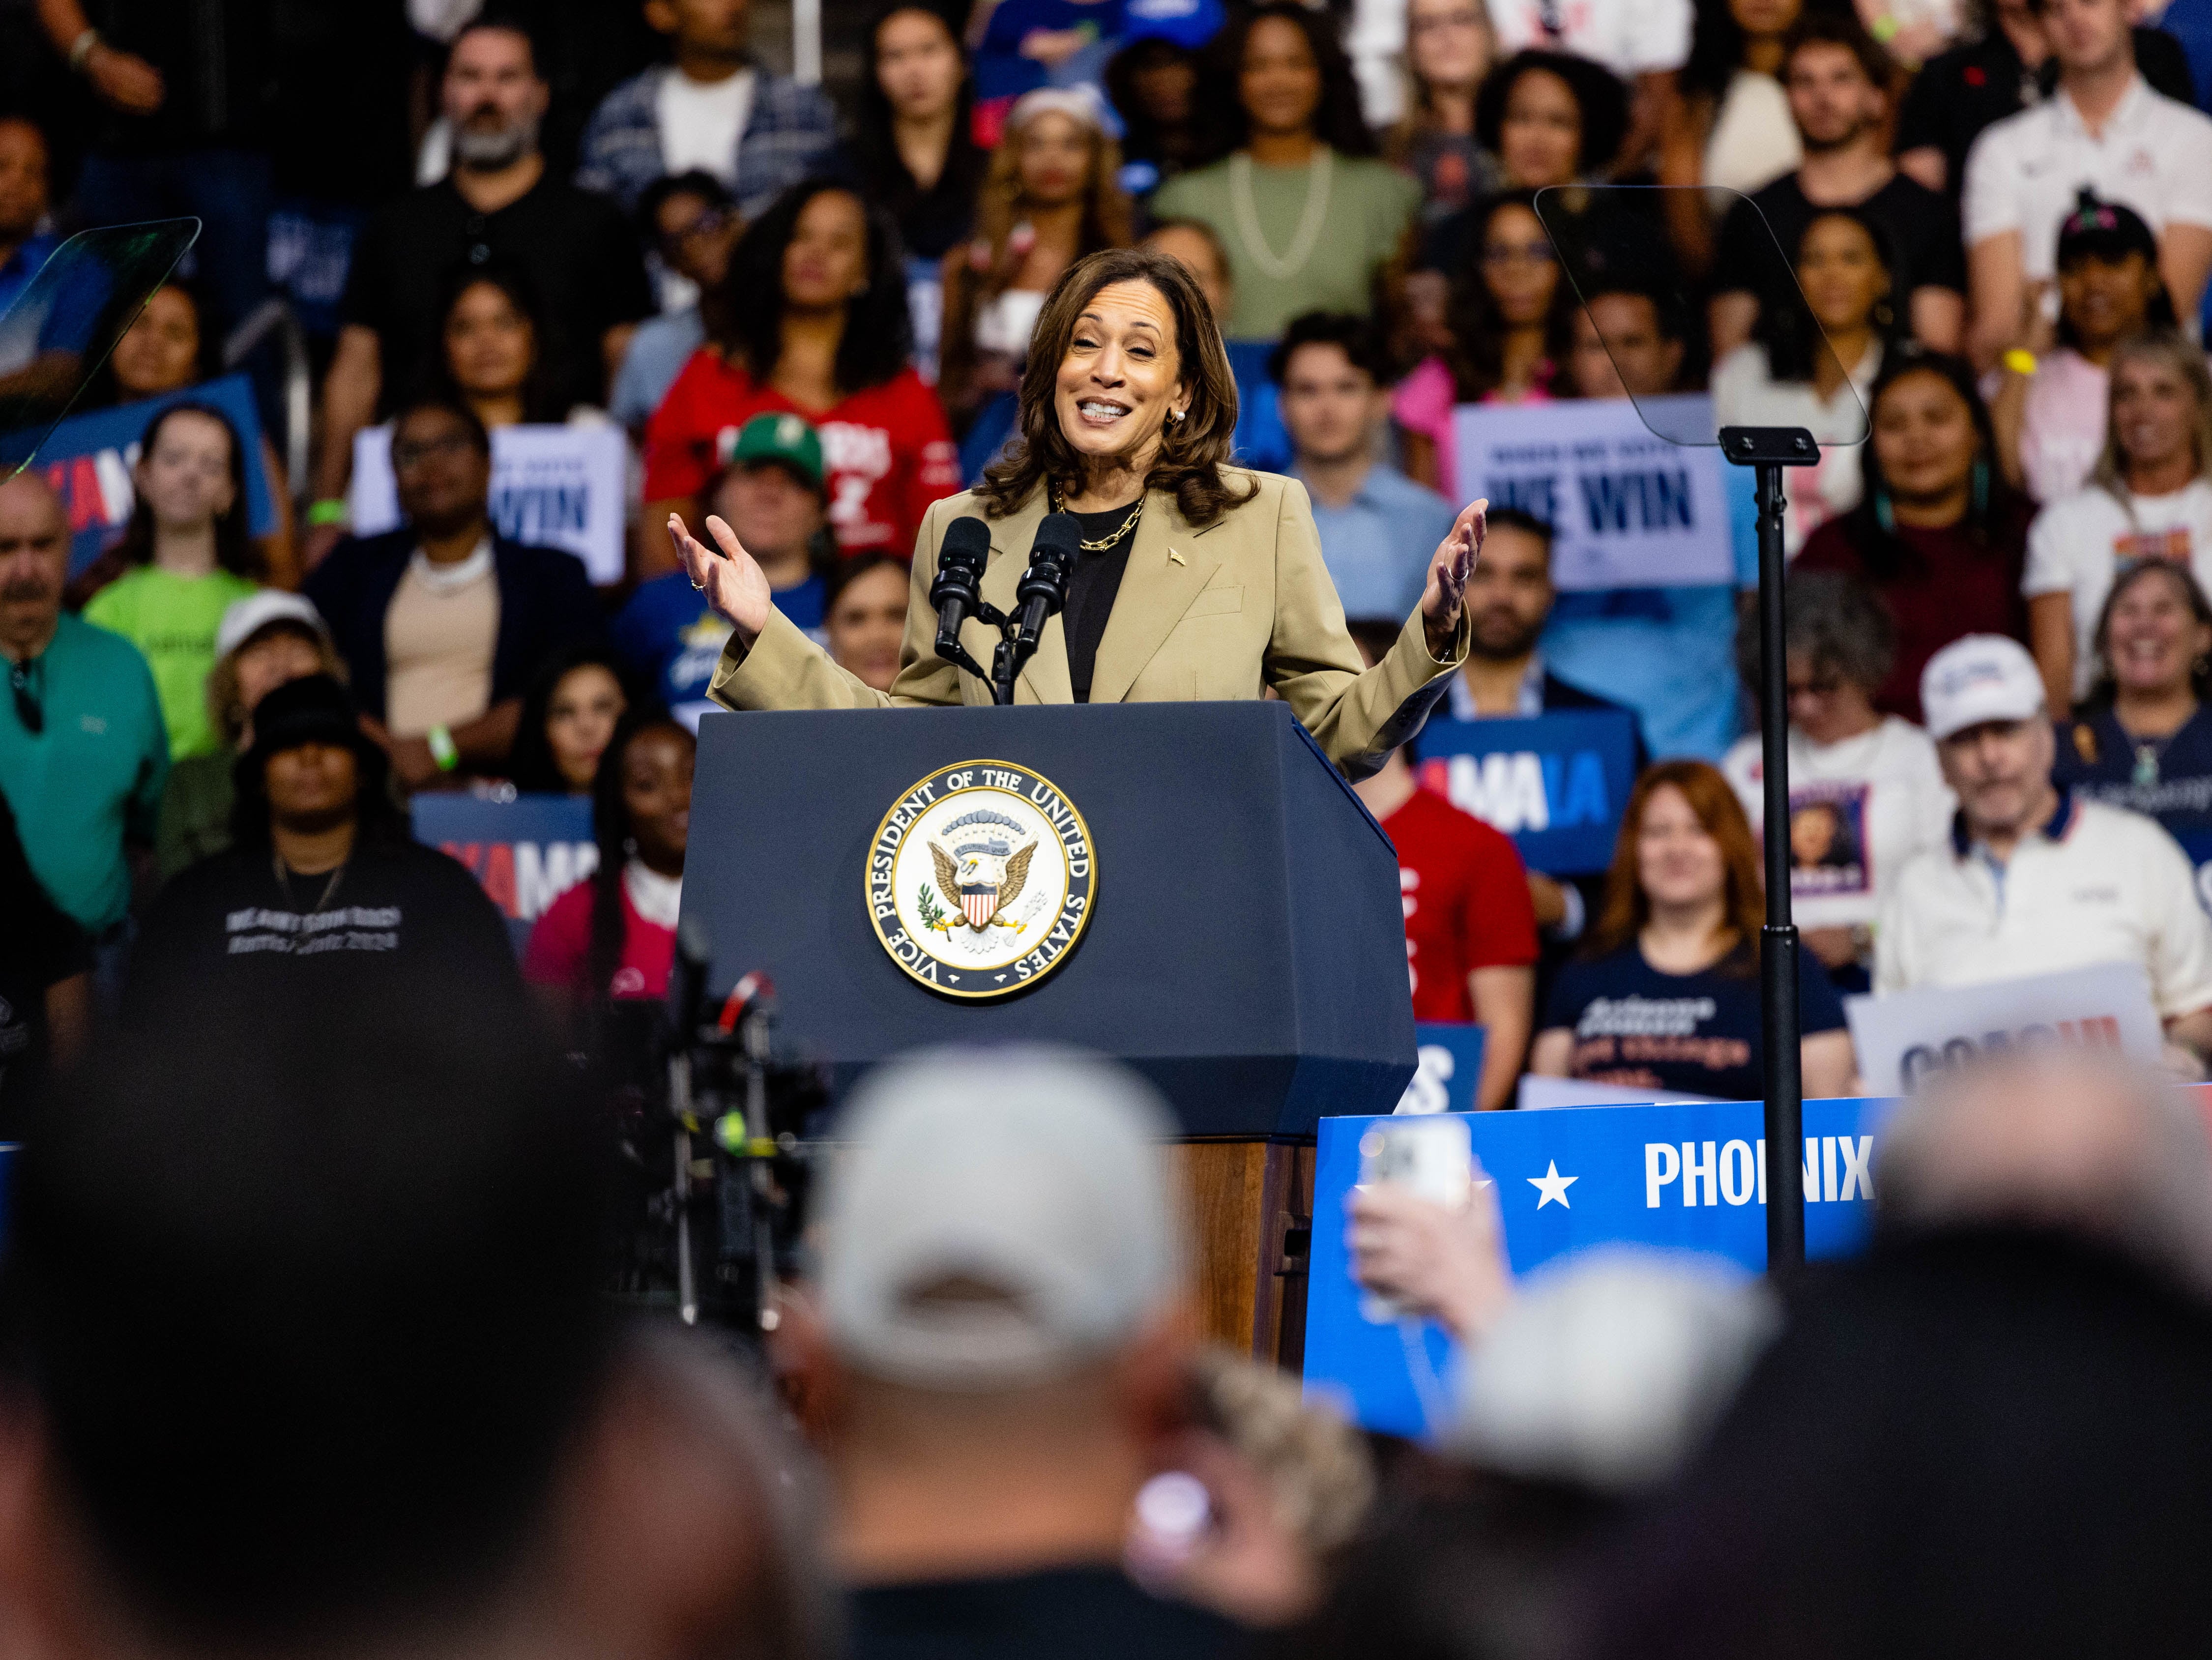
956, 590
1043, 587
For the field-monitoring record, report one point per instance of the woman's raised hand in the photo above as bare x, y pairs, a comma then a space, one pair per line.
1448, 573
734, 585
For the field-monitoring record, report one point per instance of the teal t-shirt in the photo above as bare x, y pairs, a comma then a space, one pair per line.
1361, 210
172, 620
93, 775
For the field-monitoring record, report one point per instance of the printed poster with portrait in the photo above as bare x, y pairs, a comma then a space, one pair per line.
1831, 851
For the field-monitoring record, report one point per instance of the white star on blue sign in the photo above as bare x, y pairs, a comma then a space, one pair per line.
1552, 1186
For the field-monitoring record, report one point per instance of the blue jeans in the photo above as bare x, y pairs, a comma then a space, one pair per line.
226, 190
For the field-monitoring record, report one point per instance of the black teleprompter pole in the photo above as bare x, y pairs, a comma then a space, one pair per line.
1767, 450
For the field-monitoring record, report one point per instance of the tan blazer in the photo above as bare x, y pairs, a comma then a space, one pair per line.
1215, 612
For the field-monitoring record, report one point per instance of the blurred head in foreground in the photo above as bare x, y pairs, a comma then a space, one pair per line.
2070, 1139
997, 1341
1600, 1379
1988, 1434
306, 1356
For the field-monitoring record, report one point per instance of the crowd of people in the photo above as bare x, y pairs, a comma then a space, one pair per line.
812, 323
304, 1348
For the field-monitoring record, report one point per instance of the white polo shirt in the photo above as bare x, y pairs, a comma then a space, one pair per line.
2025, 171
1629, 37
2097, 885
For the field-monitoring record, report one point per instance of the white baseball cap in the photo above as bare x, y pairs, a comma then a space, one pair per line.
1978, 678
1611, 1366
996, 1216
243, 618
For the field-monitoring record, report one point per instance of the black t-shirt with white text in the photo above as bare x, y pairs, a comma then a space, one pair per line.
228, 928
1690, 1034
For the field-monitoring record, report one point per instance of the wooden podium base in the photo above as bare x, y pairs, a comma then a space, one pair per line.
1252, 1208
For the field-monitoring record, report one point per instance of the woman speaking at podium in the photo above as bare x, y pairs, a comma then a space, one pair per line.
1195, 579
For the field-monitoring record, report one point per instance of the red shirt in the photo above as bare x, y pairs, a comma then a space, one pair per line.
561, 946
887, 449
1465, 894
1947, 583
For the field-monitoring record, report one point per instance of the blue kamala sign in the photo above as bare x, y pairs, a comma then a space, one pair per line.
1555, 783
1689, 1177
1449, 1068
526, 852
88, 459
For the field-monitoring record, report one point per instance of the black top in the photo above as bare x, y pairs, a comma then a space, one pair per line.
1922, 229
545, 605
1699, 1034
578, 251
230, 928
40, 947
1960, 92
1092, 587
2169, 778
1059, 1613
217, 59
930, 221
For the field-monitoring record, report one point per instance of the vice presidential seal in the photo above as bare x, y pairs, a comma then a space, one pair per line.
981, 878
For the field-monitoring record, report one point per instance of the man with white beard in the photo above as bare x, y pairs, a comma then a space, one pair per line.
496, 208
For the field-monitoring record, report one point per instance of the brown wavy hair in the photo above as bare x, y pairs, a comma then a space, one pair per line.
1192, 450
1626, 909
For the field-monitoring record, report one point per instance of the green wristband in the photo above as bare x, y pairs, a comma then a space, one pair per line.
443, 750
330, 510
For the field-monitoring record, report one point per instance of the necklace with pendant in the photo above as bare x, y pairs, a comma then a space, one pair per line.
284, 884
2147, 760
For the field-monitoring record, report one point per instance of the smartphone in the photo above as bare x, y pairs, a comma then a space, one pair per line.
1432, 1156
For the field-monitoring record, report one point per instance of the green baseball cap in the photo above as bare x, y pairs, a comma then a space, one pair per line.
785, 438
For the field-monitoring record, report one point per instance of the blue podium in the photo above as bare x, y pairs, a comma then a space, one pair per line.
1231, 929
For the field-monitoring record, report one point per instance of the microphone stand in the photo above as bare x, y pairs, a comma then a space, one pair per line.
949, 648
1766, 451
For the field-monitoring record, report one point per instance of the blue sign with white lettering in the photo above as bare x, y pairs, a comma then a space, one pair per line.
1688, 1177
1556, 783
88, 459
1448, 1057
528, 850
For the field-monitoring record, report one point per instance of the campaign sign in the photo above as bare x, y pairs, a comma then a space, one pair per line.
1556, 783
1628, 509
1685, 1177
527, 851
1902, 1037
555, 487
1451, 1057
88, 459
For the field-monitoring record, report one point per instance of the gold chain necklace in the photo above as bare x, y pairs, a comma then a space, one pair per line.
1101, 543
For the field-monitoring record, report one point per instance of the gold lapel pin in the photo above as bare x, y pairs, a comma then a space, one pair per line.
1175, 555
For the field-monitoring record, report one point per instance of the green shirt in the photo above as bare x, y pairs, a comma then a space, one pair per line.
1362, 224
92, 775
173, 619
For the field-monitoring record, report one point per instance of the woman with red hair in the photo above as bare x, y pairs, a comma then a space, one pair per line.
1666, 996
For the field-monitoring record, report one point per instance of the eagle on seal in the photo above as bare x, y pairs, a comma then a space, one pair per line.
983, 869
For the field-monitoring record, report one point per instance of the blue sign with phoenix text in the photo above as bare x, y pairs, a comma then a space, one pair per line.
1555, 783
1688, 1176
